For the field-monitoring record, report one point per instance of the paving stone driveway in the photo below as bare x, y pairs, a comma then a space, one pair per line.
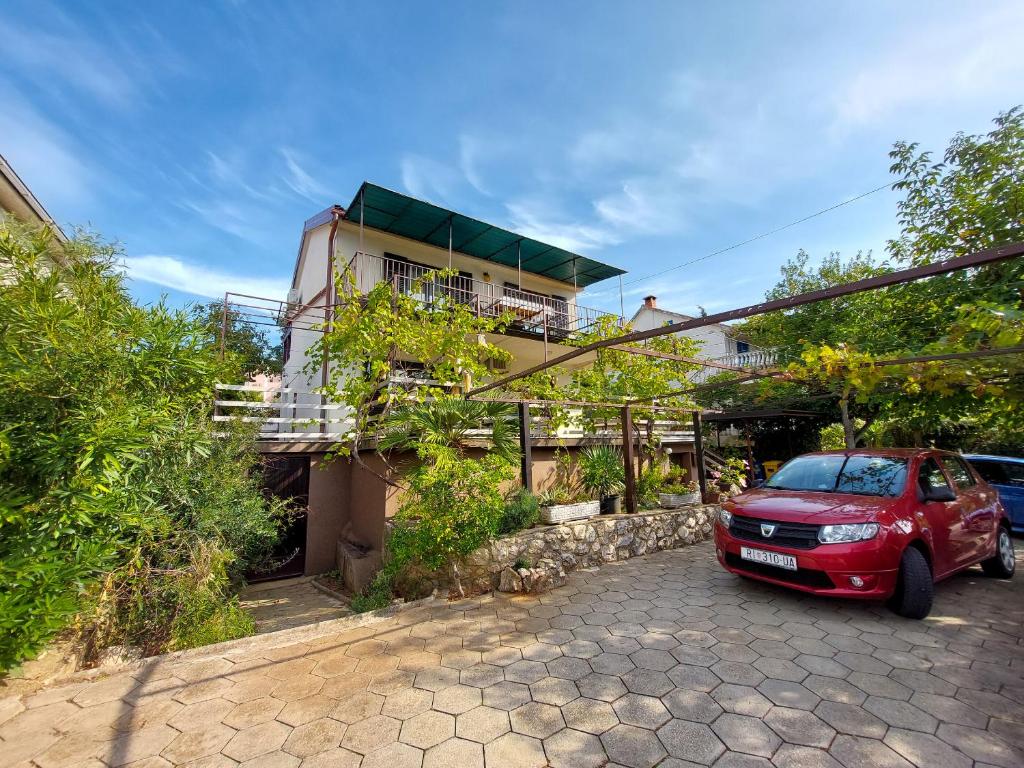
663, 660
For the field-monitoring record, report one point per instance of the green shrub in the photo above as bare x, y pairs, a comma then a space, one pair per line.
120, 511
648, 485
522, 510
378, 594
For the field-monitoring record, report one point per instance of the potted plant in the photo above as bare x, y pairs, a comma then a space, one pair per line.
561, 504
675, 492
603, 474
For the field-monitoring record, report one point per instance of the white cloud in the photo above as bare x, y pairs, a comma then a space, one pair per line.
59, 51
942, 62
541, 221
429, 180
471, 152
43, 156
174, 272
301, 182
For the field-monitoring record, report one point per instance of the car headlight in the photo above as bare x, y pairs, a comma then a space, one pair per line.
725, 517
837, 534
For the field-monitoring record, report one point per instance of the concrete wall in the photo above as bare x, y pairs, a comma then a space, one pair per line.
715, 340
329, 511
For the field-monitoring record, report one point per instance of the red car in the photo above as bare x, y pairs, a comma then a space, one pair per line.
871, 524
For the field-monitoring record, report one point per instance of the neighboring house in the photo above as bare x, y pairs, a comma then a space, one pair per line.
718, 341
17, 199
386, 236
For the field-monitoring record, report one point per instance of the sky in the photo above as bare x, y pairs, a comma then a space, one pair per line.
200, 136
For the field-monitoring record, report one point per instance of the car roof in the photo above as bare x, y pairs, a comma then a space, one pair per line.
988, 457
891, 452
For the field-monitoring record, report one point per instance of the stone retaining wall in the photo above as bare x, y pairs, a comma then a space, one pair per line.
546, 553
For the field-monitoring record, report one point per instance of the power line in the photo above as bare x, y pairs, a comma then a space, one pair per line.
762, 235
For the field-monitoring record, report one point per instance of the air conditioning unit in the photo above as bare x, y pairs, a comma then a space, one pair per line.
294, 296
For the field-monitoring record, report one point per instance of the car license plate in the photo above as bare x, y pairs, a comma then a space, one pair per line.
768, 558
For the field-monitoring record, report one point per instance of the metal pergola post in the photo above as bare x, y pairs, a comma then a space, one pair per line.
526, 460
698, 447
628, 459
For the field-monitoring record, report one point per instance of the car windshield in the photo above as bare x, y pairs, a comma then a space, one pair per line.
836, 473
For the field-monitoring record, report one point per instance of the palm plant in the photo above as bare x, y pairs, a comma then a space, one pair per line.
602, 471
444, 429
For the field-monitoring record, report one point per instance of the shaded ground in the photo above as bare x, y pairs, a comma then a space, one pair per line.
291, 604
663, 660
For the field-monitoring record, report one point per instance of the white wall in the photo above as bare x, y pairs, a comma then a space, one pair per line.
715, 341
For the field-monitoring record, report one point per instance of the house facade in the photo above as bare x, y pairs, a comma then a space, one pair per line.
18, 200
383, 236
718, 341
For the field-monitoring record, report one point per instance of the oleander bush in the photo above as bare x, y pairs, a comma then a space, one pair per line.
123, 518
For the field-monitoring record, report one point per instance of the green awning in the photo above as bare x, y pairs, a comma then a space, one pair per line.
415, 219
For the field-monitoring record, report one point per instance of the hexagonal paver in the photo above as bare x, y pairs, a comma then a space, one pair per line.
741, 700
315, 737
370, 734
923, 749
536, 719
690, 741
525, 671
695, 677
436, 678
554, 690
746, 734
482, 724
394, 756
514, 750
695, 706
194, 745
589, 715
857, 751
506, 695
306, 709
642, 711
454, 753
738, 673
651, 658
647, 682
797, 726
569, 668
632, 746
427, 729
457, 699
253, 712
793, 756
574, 749
358, 707
256, 741
784, 693
980, 745
481, 675
900, 714
850, 719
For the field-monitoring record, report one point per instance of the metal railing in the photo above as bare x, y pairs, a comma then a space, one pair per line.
532, 313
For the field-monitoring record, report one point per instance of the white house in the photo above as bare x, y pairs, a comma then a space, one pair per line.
718, 341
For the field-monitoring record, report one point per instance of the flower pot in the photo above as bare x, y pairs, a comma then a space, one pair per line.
670, 500
611, 505
560, 513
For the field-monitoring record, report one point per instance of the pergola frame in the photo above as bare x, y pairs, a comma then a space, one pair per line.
624, 344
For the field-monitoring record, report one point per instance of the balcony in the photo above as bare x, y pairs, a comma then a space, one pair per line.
535, 315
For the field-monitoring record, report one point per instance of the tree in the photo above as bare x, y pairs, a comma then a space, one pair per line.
973, 199
119, 508
442, 430
255, 348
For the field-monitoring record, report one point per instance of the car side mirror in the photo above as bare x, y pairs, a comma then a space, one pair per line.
940, 493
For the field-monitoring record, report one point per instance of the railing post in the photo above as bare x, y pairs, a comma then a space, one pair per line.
698, 446
526, 460
627, 459
224, 327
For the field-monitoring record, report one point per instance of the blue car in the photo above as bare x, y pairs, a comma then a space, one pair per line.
1006, 475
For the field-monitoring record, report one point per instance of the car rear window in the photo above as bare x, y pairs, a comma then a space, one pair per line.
991, 471
836, 473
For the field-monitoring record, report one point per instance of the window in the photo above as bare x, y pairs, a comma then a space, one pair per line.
669, 322
930, 476
742, 347
991, 471
837, 473
958, 471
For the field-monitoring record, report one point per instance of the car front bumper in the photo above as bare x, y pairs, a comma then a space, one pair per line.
827, 569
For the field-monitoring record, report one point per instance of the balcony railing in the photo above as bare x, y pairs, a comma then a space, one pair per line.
534, 314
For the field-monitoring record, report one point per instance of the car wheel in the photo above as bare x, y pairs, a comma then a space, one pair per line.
914, 586
1003, 563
